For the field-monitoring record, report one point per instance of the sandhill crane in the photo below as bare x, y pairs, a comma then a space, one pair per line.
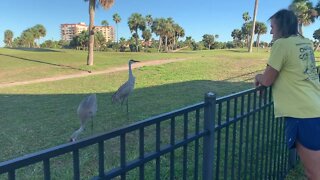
125, 90
87, 109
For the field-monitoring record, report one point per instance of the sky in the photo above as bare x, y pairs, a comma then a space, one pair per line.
197, 17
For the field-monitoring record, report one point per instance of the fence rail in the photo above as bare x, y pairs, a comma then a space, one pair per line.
232, 137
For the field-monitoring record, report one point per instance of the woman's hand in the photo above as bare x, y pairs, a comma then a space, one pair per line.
256, 80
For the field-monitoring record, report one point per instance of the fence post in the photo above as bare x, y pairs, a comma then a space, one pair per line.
292, 158
208, 141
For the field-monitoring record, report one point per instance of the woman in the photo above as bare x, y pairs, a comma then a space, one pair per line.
292, 72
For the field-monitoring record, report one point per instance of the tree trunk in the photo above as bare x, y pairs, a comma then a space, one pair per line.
253, 24
136, 40
117, 38
166, 44
92, 7
174, 42
117, 34
258, 41
160, 42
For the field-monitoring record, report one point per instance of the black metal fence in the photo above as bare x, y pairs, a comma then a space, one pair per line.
232, 137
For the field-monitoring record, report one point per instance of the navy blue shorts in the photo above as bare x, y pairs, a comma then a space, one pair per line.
305, 130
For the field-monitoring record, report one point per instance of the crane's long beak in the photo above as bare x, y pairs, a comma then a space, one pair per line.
134, 60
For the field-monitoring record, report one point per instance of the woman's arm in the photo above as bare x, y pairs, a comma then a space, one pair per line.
267, 78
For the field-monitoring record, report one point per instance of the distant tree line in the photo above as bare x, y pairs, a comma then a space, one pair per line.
28, 37
168, 34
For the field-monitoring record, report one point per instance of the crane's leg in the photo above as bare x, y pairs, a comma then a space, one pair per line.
128, 108
91, 125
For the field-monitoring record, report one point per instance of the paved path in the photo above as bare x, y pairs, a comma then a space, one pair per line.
82, 74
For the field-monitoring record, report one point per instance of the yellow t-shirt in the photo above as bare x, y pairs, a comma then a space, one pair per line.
296, 91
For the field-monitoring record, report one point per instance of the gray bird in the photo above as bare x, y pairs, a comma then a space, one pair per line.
125, 90
87, 109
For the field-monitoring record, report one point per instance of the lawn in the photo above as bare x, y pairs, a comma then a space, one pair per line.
42, 115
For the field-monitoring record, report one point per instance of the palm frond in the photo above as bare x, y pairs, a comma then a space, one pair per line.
106, 4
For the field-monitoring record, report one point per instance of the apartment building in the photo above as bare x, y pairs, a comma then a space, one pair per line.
68, 31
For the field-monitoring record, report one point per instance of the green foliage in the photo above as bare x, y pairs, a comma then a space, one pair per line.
208, 40
305, 12
29, 36
116, 18
246, 17
49, 44
236, 34
316, 34
169, 33
297, 173
195, 46
122, 44
104, 23
8, 38
146, 35
149, 19
136, 22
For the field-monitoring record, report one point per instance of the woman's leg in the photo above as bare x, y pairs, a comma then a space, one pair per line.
310, 160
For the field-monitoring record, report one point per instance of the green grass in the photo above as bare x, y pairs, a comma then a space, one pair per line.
296, 173
21, 65
42, 115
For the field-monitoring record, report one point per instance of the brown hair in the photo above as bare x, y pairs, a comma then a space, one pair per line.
287, 22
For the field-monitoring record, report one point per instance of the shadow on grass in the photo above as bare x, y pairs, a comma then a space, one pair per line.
37, 49
51, 118
184, 52
33, 122
238, 50
43, 62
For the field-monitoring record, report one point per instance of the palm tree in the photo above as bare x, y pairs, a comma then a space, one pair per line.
106, 4
104, 23
188, 41
253, 24
305, 12
27, 38
245, 31
39, 31
116, 19
316, 35
246, 17
236, 34
146, 35
136, 22
122, 44
8, 36
208, 40
317, 9
156, 28
178, 32
149, 20
168, 31
260, 28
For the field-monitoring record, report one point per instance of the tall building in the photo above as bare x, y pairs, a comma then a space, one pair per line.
68, 31
107, 31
